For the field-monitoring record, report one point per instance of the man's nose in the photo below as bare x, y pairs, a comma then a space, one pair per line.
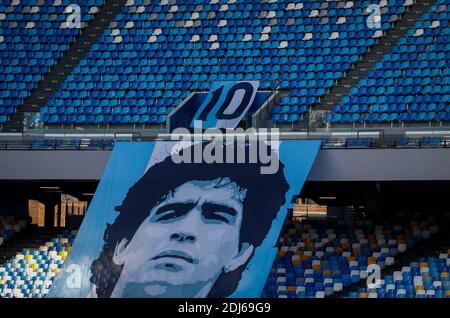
183, 237
187, 228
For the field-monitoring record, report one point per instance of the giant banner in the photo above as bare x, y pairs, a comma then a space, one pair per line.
181, 219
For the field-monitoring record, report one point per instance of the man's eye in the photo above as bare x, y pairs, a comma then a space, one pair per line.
172, 211
166, 216
219, 216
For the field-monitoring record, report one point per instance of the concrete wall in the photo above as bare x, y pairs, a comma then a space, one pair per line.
330, 165
381, 165
52, 165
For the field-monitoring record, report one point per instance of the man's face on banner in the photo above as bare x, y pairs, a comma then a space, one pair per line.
187, 239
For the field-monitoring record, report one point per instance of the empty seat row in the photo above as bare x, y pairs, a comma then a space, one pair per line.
174, 49
34, 34
411, 83
318, 258
31, 272
427, 277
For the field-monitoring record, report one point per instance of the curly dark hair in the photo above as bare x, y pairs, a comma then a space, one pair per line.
264, 197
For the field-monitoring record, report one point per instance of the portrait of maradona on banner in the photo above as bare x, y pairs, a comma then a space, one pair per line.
186, 229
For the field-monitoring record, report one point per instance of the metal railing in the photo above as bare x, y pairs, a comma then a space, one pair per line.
87, 144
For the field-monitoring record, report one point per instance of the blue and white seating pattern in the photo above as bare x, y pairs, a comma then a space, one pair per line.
426, 278
31, 273
410, 84
319, 258
33, 36
9, 226
157, 52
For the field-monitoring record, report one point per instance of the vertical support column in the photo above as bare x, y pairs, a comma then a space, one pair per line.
51, 200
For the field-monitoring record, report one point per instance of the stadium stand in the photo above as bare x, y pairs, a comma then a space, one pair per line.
411, 84
157, 52
9, 226
428, 277
30, 273
318, 258
34, 35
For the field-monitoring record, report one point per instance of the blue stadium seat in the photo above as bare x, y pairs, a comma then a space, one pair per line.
411, 82
157, 63
31, 43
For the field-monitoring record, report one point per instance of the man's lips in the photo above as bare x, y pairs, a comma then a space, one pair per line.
175, 254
